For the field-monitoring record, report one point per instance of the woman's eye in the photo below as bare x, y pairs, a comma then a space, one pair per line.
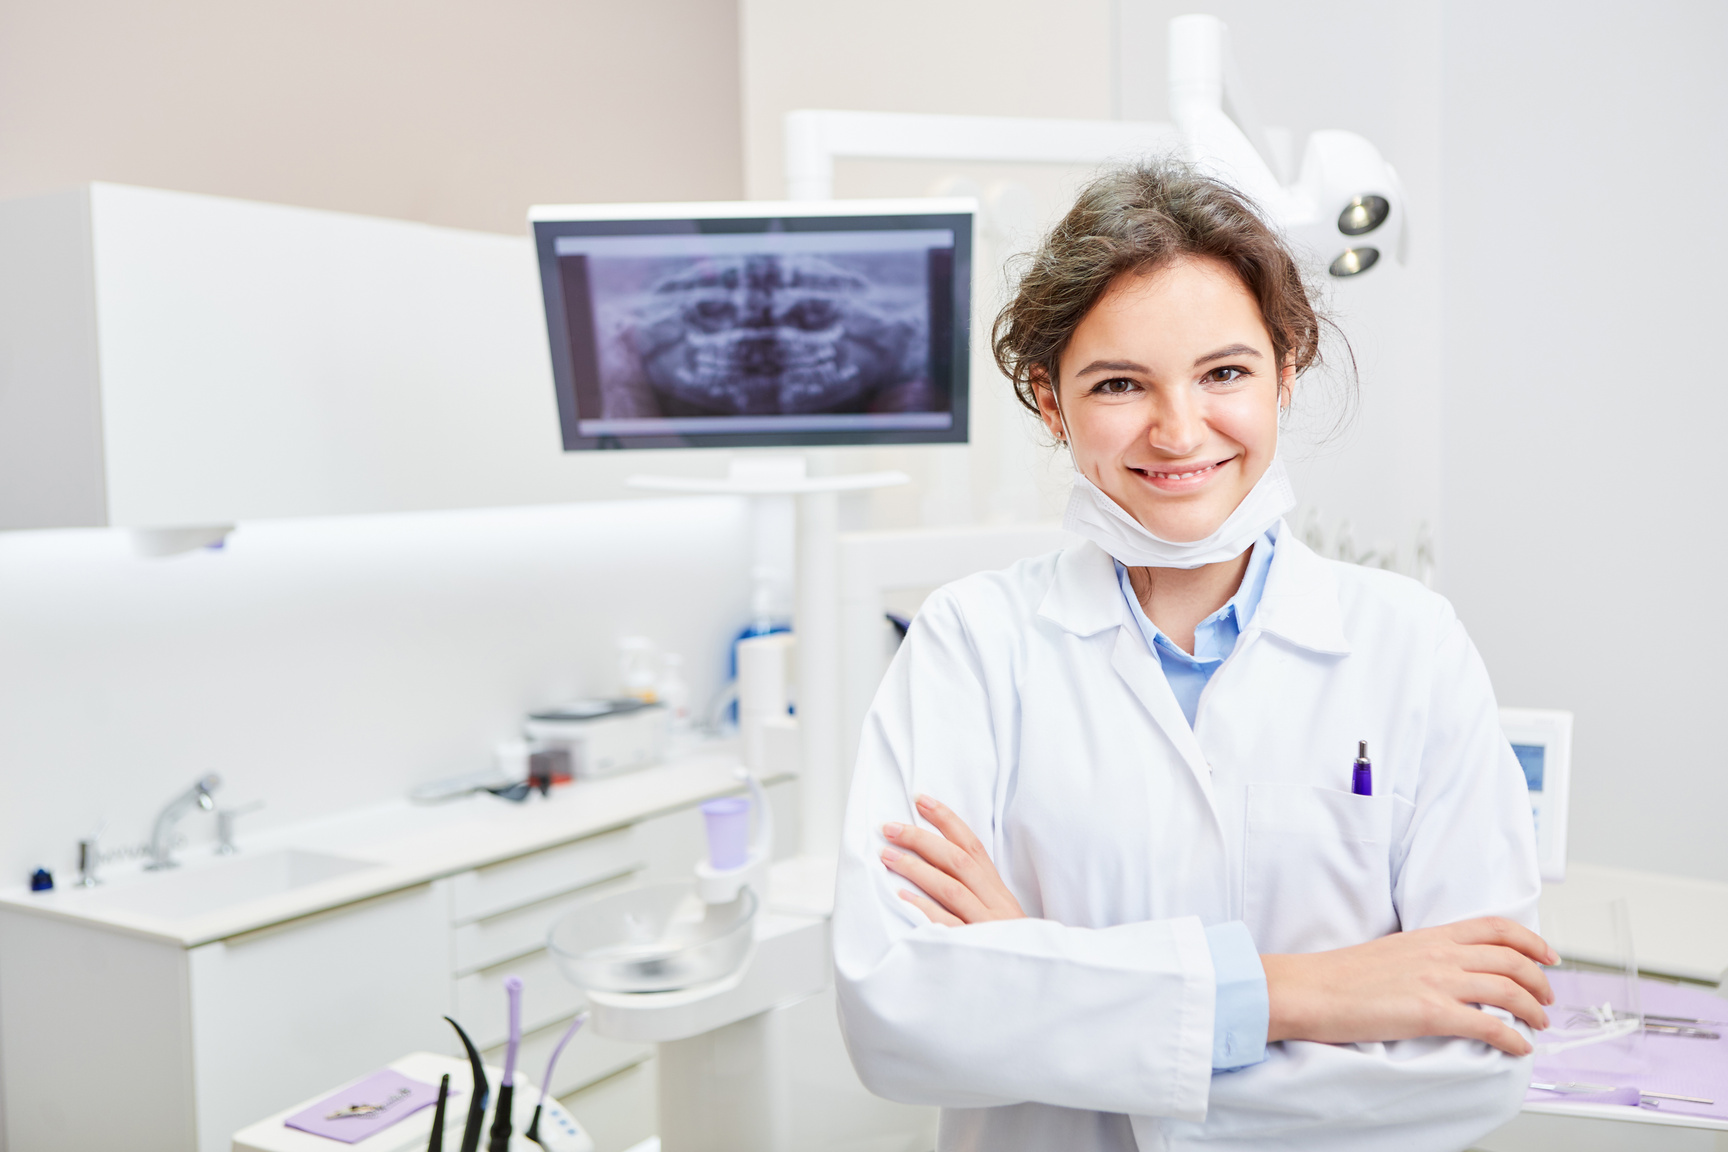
1114, 387
1226, 375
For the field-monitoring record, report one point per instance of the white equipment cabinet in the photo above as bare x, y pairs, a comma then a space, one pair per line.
170, 360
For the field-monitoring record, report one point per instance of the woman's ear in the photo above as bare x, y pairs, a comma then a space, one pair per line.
1286, 384
1048, 409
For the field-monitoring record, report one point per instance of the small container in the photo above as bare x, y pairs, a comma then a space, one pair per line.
638, 670
728, 820
674, 692
551, 765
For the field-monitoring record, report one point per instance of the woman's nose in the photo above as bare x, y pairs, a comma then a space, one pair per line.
1177, 427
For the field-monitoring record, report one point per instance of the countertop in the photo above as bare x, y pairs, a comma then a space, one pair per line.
402, 845
1680, 924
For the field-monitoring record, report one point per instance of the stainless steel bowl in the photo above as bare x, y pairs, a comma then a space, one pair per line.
655, 938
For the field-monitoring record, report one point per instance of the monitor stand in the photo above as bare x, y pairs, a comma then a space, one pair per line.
787, 501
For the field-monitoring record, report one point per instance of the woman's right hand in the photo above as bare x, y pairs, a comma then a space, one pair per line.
1409, 984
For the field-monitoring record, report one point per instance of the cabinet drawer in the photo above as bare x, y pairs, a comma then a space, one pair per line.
589, 1057
496, 939
547, 997
527, 879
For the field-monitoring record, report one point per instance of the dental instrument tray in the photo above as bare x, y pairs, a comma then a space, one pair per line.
656, 938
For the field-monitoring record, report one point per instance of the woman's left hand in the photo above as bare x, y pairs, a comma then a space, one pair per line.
960, 885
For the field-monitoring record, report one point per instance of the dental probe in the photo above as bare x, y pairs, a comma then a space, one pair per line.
500, 1141
533, 1132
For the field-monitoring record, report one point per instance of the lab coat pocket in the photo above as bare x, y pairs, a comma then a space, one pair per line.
1316, 868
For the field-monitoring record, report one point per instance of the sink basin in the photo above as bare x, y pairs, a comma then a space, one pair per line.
197, 889
652, 938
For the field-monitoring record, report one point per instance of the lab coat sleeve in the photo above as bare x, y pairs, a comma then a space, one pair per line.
1468, 850
1114, 1019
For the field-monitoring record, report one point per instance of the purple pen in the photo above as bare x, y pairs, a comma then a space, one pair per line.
1362, 772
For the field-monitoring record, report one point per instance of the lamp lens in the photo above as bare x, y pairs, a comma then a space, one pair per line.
1363, 214
1354, 260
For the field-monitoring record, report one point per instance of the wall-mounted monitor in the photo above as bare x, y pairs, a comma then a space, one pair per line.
758, 323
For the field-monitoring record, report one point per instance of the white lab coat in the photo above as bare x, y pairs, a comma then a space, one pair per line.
1027, 700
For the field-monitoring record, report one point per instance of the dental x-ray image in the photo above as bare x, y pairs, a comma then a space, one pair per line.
767, 334
756, 332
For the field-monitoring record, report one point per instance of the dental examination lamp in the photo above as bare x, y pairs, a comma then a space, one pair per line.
1346, 205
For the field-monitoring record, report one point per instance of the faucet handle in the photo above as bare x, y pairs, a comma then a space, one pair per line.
225, 825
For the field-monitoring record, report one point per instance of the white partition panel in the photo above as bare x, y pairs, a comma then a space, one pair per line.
169, 359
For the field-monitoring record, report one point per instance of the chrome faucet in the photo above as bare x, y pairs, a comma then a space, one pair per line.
161, 837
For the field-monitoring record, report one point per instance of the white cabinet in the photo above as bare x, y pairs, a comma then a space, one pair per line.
286, 1012
168, 360
114, 1041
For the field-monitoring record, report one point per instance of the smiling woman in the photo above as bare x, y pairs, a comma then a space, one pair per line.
1115, 855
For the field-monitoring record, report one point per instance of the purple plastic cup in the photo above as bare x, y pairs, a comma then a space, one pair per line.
728, 822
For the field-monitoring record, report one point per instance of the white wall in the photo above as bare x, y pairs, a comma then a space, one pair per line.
321, 664
1584, 168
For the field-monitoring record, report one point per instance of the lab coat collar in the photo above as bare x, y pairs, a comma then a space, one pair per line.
1300, 603
1084, 598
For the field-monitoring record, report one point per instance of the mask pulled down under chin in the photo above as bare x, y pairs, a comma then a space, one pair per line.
1096, 517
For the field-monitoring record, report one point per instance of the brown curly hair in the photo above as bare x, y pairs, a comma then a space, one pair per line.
1138, 219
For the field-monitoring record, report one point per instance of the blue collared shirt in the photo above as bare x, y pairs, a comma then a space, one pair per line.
1214, 637
1242, 1008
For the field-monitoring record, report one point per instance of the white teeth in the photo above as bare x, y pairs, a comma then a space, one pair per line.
1183, 475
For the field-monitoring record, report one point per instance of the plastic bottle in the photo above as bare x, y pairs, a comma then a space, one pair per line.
674, 692
762, 623
638, 674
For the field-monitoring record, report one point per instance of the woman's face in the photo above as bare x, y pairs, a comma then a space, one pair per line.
1170, 396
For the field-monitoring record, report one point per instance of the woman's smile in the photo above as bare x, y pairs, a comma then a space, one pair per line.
1177, 478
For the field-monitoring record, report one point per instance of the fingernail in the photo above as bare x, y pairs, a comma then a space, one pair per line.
892, 831
925, 801
889, 855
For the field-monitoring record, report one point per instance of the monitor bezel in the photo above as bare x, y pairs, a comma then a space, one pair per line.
549, 222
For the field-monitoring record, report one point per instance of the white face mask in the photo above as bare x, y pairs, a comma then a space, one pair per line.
1095, 516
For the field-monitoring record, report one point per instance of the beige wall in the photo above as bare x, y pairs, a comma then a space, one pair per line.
449, 112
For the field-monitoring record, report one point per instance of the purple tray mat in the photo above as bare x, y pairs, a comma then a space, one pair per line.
1680, 1065
386, 1085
